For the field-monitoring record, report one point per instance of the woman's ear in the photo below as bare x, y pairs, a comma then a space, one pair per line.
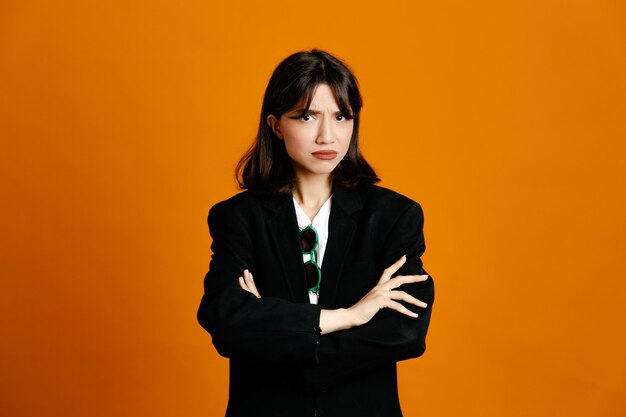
272, 122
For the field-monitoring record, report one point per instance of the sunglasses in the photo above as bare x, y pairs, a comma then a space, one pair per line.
309, 243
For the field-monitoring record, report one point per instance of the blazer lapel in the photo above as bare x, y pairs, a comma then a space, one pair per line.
283, 229
341, 227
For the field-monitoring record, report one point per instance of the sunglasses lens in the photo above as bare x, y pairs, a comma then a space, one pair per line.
312, 275
308, 239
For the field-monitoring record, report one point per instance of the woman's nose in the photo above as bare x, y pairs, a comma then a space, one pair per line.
326, 133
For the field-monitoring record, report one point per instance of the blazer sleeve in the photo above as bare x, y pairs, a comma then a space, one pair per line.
242, 326
390, 336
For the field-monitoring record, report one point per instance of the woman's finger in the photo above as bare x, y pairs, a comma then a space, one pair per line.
401, 295
247, 283
404, 279
394, 305
249, 280
388, 272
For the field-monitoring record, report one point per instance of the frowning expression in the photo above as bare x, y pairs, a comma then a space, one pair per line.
318, 139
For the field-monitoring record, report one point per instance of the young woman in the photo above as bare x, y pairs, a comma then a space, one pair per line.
315, 288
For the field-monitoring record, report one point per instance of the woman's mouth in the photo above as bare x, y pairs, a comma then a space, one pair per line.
325, 155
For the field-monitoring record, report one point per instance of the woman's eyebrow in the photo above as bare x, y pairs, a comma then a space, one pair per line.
314, 112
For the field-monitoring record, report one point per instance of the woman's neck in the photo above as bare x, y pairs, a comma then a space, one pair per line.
312, 192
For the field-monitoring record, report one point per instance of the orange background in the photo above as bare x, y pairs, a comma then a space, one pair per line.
121, 123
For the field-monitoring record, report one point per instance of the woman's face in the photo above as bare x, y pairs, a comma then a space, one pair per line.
318, 140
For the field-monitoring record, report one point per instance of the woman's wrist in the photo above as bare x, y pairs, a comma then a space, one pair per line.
335, 320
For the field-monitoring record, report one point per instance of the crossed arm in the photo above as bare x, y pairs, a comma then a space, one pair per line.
381, 327
384, 295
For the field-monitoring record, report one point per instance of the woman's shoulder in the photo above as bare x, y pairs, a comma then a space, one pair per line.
236, 206
248, 204
241, 199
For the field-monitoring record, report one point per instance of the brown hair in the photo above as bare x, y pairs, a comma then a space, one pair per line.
266, 167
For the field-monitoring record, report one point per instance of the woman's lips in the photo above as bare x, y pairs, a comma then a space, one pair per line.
325, 155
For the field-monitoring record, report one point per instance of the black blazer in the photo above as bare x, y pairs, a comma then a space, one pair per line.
280, 365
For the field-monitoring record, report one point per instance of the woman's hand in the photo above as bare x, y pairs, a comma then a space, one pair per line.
385, 295
247, 283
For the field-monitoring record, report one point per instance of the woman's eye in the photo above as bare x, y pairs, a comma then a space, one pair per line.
340, 117
306, 117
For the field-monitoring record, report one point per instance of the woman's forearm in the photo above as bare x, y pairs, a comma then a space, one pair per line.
335, 320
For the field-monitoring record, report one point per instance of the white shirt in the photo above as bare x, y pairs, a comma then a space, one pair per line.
320, 224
